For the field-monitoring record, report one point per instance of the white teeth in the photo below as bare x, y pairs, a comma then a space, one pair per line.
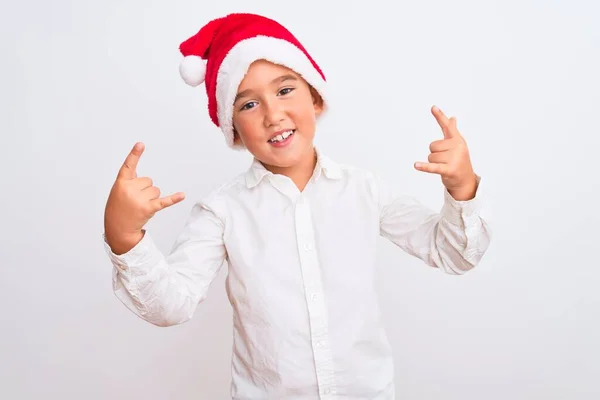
281, 137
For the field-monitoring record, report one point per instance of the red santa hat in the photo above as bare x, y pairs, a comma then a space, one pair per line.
221, 52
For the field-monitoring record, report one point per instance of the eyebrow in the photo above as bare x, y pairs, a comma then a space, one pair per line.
280, 79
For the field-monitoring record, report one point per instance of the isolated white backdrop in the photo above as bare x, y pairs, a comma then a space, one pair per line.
81, 81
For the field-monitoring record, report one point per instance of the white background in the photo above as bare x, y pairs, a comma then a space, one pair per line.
82, 81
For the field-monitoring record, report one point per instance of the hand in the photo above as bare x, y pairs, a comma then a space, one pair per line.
131, 203
450, 159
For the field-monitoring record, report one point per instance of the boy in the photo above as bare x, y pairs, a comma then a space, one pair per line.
298, 231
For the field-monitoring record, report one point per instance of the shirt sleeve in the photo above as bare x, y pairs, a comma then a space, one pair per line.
453, 239
165, 290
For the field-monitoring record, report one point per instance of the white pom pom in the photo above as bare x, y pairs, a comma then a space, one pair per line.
192, 70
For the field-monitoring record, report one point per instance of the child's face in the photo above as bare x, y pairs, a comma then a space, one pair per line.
273, 100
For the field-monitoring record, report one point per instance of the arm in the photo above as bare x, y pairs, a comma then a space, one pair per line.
454, 239
163, 290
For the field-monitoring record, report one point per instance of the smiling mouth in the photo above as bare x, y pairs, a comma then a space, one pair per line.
282, 136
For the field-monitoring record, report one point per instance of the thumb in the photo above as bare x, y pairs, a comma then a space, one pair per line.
167, 201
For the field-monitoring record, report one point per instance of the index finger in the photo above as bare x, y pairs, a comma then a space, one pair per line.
128, 169
448, 125
440, 117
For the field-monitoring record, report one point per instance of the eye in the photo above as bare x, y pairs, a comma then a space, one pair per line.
248, 106
285, 91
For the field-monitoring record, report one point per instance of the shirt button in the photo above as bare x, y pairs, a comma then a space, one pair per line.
313, 297
307, 247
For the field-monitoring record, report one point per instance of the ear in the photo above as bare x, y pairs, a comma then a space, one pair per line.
236, 137
317, 101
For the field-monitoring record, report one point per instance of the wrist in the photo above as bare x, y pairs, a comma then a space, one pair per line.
465, 192
123, 243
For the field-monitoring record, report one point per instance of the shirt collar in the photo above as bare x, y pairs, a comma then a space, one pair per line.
331, 169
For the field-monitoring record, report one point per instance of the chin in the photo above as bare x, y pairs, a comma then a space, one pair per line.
282, 161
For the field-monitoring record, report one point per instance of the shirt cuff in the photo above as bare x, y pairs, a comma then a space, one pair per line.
138, 259
461, 212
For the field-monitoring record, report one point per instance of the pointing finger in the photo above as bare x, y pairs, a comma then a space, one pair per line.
442, 120
128, 169
440, 117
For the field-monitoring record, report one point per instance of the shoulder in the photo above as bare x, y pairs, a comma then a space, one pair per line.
226, 190
369, 183
217, 199
355, 173
355, 179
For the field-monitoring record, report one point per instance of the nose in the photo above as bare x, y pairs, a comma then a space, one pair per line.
274, 113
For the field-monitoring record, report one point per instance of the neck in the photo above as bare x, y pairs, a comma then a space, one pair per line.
299, 173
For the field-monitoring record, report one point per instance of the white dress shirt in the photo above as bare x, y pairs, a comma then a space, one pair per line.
306, 323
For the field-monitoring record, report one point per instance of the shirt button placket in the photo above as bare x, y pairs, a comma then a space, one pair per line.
311, 275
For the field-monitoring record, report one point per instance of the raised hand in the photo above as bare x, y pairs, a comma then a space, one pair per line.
131, 203
450, 159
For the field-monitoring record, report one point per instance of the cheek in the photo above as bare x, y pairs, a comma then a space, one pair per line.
307, 117
248, 130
